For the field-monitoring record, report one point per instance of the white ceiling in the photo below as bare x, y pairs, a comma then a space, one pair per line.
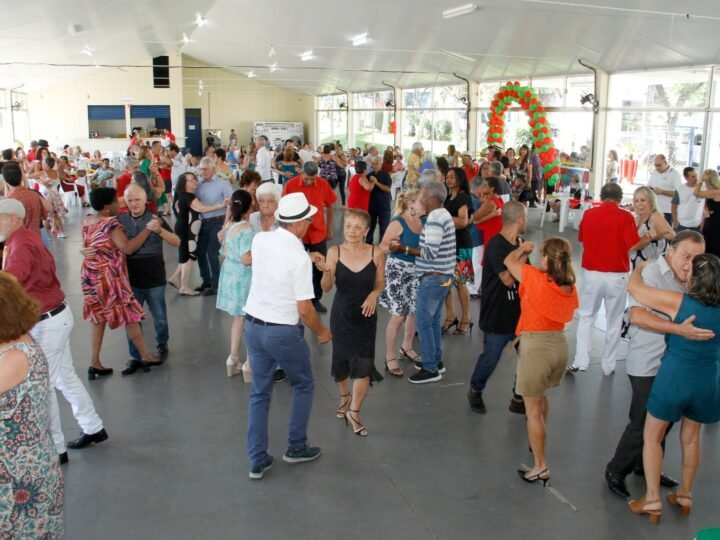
410, 43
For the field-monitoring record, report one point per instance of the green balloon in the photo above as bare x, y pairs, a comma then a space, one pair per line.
555, 177
544, 148
533, 107
548, 167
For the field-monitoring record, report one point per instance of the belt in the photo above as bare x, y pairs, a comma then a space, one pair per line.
255, 320
52, 312
214, 218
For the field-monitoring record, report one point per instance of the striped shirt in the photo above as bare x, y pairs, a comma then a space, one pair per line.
437, 244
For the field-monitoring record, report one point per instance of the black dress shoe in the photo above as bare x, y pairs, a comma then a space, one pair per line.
319, 307
616, 483
202, 287
279, 375
86, 440
517, 406
210, 291
476, 401
665, 480
63, 458
134, 365
163, 351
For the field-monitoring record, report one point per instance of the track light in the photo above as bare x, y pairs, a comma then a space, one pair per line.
360, 40
458, 11
307, 55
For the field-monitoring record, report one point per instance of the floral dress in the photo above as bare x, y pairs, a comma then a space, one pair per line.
31, 482
235, 277
105, 283
52, 195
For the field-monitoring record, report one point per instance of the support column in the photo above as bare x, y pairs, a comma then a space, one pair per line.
602, 86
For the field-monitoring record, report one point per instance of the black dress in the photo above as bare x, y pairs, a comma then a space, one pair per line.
187, 227
711, 228
353, 333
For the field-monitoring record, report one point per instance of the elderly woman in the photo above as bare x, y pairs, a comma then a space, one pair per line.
652, 226
686, 387
109, 300
250, 181
427, 161
548, 300
413, 164
401, 281
358, 271
187, 226
268, 197
32, 484
48, 178
222, 169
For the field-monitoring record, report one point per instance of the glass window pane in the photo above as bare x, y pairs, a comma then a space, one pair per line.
339, 122
450, 127
417, 98
381, 98
714, 141
417, 127
551, 92
577, 87
679, 88
716, 88
324, 127
641, 135
487, 91
325, 103
364, 100
450, 97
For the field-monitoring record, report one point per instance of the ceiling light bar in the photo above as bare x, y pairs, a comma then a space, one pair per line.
307, 55
87, 51
185, 39
361, 39
273, 67
251, 75
200, 20
458, 11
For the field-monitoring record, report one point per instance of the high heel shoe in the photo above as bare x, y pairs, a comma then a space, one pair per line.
446, 327
359, 431
674, 498
94, 373
459, 331
344, 406
543, 476
233, 366
641, 507
396, 371
416, 360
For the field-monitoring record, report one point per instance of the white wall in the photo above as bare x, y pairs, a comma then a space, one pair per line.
232, 101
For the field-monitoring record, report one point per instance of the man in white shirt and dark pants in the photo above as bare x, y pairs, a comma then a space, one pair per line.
263, 158
280, 302
664, 181
687, 209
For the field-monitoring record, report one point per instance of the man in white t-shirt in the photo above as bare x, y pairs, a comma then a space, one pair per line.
687, 209
263, 158
279, 306
178, 163
308, 154
664, 181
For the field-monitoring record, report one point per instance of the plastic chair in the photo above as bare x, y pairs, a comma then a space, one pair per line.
397, 181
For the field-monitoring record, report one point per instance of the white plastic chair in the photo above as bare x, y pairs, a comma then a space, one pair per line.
397, 180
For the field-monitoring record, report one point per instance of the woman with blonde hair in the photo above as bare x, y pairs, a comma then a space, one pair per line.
401, 281
653, 228
548, 300
711, 225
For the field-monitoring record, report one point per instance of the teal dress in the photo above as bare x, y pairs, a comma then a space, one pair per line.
688, 382
234, 284
287, 169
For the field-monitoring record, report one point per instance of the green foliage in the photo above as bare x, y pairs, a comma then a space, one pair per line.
523, 136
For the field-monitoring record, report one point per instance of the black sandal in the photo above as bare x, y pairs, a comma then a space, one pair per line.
416, 360
445, 329
396, 371
344, 406
360, 431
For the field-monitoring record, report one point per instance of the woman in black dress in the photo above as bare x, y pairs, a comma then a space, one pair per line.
711, 225
358, 271
187, 226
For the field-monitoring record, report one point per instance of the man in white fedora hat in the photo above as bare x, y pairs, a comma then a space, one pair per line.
279, 306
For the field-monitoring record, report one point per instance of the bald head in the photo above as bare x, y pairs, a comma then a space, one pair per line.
513, 212
135, 199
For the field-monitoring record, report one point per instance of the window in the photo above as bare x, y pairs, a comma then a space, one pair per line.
551, 92
372, 117
332, 119
436, 117
106, 120
680, 88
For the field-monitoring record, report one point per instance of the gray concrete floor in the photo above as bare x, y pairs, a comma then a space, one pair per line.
175, 465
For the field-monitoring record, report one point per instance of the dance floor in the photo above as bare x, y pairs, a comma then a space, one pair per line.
175, 466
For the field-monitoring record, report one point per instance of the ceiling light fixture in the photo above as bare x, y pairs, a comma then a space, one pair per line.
251, 75
307, 55
200, 20
185, 39
271, 52
273, 67
360, 40
460, 10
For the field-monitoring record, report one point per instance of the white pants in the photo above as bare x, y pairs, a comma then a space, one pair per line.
53, 337
597, 287
477, 253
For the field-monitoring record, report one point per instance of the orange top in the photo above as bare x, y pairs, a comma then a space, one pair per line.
544, 306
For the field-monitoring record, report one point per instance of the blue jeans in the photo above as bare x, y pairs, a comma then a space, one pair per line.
156, 304
493, 345
208, 251
285, 346
680, 228
428, 311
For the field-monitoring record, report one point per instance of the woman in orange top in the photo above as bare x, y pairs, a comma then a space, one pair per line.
548, 300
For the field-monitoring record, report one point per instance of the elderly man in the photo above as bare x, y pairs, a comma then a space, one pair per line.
664, 181
263, 158
380, 199
35, 205
607, 234
210, 191
318, 191
146, 267
435, 266
33, 265
646, 348
281, 294
123, 181
496, 170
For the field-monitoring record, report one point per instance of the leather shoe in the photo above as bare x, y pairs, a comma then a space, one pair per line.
665, 480
210, 291
86, 440
63, 458
476, 401
616, 483
202, 287
134, 365
163, 351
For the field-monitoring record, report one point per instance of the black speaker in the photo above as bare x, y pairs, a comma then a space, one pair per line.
161, 72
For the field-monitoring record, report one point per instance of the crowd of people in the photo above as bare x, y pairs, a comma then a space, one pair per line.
261, 225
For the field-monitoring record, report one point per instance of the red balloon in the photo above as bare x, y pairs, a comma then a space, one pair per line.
528, 94
517, 83
524, 105
547, 175
545, 129
556, 170
508, 83
538, 144
534, 101
540, 109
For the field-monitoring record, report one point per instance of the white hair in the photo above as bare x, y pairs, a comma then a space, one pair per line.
135, 186
207, 162
376, 159
269, 188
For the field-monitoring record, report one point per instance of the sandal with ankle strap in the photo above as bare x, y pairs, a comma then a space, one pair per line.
674, 499
360, 431
396, 371
344, 405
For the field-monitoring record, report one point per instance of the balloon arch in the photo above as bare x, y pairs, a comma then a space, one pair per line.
525, 96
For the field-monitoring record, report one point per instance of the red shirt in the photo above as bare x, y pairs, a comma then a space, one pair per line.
33, 265
492, 226
34, 210
165, 172
319, 194
122, 182
31, 155
472, 171
607, 234
359, 196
